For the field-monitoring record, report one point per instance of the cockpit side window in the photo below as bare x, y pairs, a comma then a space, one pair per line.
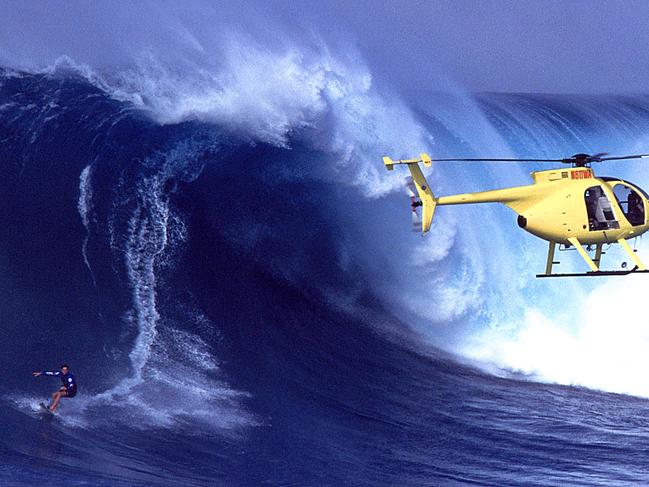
599, 209
631, 203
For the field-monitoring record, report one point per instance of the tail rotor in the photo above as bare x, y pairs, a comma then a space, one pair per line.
415, 204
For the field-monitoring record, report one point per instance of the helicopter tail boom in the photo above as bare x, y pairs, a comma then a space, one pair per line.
423, 190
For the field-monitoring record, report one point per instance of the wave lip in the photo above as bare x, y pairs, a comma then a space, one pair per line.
273, 96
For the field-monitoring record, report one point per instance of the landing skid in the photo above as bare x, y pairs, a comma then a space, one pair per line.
593, 263
595, 273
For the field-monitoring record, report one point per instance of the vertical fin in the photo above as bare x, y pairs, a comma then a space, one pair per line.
426, 196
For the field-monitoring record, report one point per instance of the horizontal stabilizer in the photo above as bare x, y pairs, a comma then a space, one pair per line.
423, 157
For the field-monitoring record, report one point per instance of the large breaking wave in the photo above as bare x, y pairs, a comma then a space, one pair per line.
214, 249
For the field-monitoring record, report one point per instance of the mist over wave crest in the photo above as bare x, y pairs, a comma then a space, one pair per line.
273, 96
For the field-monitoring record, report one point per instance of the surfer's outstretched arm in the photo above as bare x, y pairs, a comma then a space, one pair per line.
54, 374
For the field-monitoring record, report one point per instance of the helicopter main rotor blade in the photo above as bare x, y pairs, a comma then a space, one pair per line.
568, 160
599, 156
637, 156
577, 160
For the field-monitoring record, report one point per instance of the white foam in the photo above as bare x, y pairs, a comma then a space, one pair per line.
25, 403
84, 206
601, 342
175, 375
271, 95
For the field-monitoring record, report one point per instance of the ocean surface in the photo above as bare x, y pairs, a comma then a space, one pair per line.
242, 301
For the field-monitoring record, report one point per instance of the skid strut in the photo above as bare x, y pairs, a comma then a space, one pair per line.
594, 264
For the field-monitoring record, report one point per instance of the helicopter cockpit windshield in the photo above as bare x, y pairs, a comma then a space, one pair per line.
631, 203
600, 211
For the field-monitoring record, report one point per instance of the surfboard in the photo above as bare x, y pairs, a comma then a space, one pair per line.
45, 409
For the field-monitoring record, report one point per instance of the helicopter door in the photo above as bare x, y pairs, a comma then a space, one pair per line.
631, 203
600, 211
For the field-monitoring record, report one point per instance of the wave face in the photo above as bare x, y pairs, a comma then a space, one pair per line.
241, 303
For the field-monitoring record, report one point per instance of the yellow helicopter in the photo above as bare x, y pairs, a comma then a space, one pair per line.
565, 206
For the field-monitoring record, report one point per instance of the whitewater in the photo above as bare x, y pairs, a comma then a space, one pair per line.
220, 255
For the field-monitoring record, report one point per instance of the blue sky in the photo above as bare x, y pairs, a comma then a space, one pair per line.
512, 46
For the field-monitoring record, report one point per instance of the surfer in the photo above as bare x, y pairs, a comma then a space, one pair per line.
68, 389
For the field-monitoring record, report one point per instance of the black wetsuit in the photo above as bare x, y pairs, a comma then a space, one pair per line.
68, 382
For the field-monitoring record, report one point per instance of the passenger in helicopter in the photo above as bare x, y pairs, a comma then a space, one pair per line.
636, 209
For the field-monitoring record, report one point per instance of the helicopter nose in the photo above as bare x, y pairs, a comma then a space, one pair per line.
522, 221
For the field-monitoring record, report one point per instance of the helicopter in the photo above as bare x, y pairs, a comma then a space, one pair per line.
569, 207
